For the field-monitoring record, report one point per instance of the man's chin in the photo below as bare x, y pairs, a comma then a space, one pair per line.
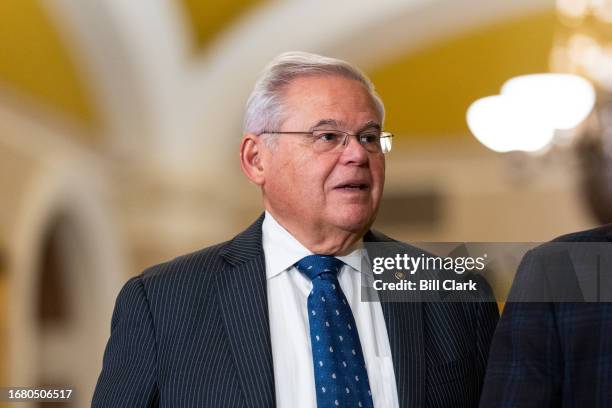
356, 221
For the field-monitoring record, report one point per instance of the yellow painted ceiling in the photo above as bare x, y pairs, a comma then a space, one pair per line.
427, 93
208, 18
35, 61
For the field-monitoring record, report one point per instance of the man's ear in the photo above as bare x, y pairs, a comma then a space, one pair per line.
251, 161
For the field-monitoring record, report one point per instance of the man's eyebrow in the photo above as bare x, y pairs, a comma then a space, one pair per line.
334, 123
323, 122
370, 125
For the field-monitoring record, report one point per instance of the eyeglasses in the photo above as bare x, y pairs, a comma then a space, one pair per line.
374, 141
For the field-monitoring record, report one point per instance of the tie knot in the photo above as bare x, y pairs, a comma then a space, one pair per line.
317, 265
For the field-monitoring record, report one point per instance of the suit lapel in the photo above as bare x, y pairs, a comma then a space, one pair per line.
242, 297
405, 329
404, 321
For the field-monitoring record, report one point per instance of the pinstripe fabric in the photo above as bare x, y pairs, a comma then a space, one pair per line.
439, 349
194, 332
552, 354
132, 381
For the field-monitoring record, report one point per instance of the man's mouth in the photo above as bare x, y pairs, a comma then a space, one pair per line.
353, 186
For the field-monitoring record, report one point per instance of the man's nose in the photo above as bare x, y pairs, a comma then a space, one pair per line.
353, 151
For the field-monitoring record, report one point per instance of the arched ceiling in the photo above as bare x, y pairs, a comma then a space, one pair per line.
208, 18
35, 62
428, 92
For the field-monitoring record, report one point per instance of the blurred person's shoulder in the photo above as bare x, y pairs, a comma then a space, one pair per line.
599, 234
568, 244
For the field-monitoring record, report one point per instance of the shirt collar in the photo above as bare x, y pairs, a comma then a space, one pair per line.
282, 250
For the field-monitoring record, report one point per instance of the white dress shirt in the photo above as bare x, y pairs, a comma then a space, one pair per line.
288, 291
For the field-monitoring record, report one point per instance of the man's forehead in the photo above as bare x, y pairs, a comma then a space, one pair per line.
329, 101
327, 89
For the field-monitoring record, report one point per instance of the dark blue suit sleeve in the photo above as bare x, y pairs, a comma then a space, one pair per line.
487, 316
129, 369
525, 366
483, 319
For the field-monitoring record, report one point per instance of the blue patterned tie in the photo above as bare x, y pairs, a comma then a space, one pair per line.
341, 378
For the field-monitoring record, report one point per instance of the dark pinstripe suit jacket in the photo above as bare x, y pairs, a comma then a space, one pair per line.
554, 354
194, 332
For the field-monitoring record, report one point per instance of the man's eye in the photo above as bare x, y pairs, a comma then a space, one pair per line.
368, 138
329, 136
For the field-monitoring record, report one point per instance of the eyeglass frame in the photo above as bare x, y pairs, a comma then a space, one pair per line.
382, 135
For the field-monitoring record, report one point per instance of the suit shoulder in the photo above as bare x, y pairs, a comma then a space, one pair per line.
599, 234
377, 236
565, 242
376, 239
200, 262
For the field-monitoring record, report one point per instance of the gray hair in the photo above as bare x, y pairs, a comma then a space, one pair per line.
264, 108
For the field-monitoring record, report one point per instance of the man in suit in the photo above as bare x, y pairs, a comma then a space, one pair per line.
553, 344
274, 316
